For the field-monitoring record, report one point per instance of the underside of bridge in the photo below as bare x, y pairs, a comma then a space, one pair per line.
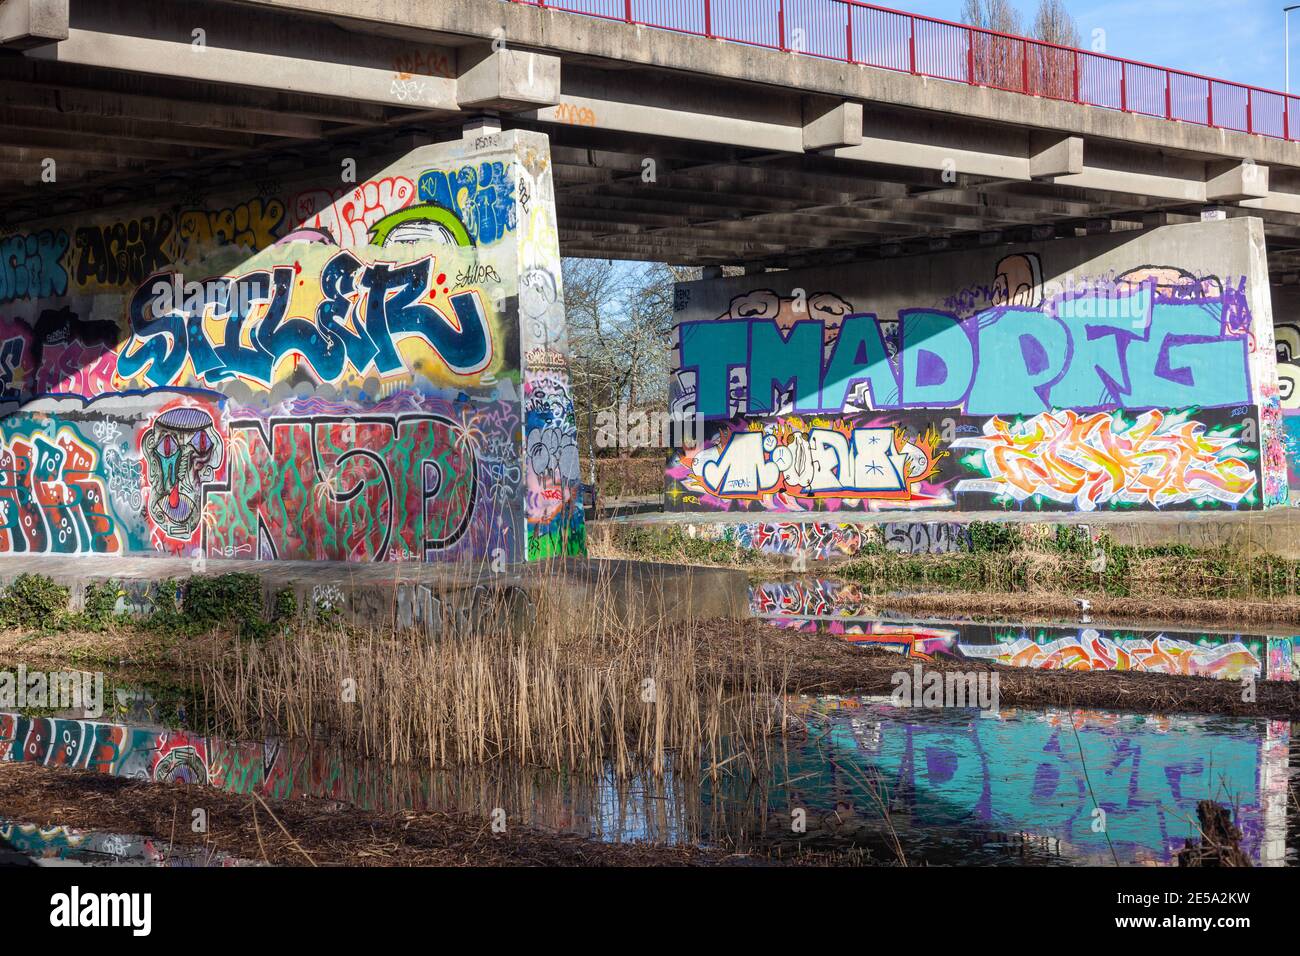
665, 147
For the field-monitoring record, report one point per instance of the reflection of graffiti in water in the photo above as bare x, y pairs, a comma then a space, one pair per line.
848, 610
1043, 773
1099, 459
1160, 654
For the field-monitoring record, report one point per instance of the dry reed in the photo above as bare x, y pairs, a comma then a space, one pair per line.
579, 682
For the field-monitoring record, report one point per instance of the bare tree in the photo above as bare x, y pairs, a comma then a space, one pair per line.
1052, 71
619, 318
1053, 24
1012, 64
996, 60
997, 15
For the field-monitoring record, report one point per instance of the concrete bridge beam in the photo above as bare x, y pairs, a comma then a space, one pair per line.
25, 24
506, 79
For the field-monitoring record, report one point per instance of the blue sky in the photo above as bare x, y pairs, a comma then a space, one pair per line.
1237, 40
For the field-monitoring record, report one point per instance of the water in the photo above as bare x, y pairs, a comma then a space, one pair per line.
848, 610
944, 786
68, 846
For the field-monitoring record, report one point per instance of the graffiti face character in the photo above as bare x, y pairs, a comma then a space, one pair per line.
182, 451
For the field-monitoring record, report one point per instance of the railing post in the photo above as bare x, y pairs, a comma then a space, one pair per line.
780, 22
1076, 76
848, 31
1250, 104
970, 57
708, 18
1024, 66
911, 44
1169, 98
1209, 102
1123, 86
628, 15
1286, 117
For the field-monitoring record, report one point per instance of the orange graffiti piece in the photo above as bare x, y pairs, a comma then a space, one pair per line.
1087, 460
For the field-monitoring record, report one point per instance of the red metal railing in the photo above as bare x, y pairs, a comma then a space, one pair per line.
852, 31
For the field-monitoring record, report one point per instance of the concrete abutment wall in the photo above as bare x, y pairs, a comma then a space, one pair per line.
1103, 373
350, 368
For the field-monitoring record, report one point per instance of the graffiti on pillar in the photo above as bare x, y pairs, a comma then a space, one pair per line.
121, 254
343, 487
52, 493
482, 196
364, 318
250, 225
32, 265
182, 451
347, 216
1137, 388
1127, 350
1287, 343
817, 458
551, 454
1088, 461
300, 370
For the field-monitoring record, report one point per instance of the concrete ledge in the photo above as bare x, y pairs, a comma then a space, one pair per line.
836, 536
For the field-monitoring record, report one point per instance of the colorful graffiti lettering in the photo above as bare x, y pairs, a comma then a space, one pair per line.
1131, 350
249, 225
346, 217
817, 459
1092, 460
481, 196
343, 488
242, 327
31, 265
52, 495
373, 372
119, 254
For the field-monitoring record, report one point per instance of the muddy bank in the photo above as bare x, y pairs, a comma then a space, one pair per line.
312, 832
1044, 607
825, 664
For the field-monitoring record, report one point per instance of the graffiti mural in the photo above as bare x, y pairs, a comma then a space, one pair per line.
1134, 385
849, 611
1090, 460
182, 452
297, 371
52, 493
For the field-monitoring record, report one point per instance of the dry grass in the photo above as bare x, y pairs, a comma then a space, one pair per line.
580, 689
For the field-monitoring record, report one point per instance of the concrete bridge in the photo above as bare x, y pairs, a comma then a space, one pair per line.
980, 273
827, 136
